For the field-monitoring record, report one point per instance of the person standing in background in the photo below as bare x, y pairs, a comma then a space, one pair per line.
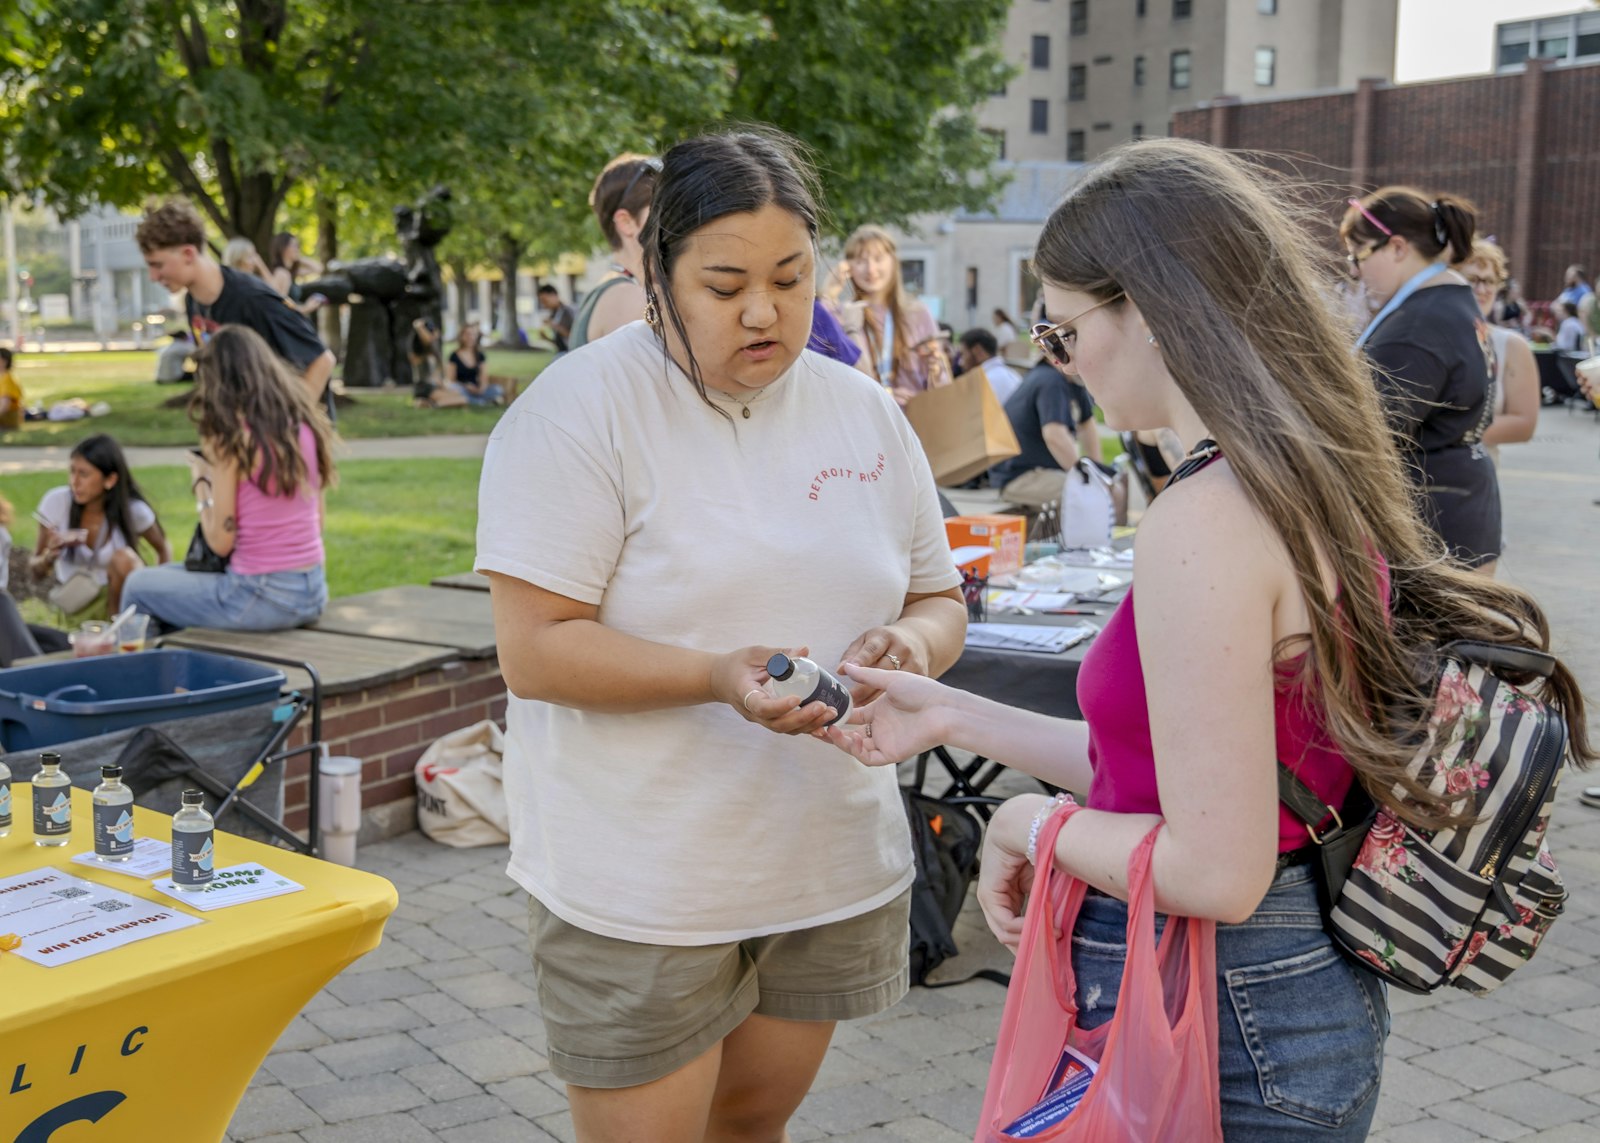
1516, 377
888, 324
558, 316
620, 200
10, 393
980, 350
1005, 334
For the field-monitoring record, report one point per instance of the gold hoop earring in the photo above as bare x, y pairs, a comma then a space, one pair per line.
652, 315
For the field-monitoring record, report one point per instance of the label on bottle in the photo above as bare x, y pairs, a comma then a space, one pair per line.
831, 691
5, 803
52, 811
113, 830
191, 858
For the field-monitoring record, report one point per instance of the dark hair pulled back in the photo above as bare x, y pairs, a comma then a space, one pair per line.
708, 178
105, 454
1432, 225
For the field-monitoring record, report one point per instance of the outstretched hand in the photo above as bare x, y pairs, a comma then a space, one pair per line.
905, 719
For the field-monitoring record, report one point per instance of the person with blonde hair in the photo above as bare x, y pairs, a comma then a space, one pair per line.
1516, 374
241, 254
897, 335
1287, 592
265, 460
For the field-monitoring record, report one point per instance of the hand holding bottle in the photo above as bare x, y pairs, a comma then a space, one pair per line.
739, 678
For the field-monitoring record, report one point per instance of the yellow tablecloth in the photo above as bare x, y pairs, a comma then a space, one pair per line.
155, 1042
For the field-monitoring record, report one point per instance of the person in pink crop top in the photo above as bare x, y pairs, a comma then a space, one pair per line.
259, 478
1185, 296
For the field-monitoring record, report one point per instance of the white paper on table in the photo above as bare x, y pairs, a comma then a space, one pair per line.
234, 885
1026, 636
1032, 600
60, 918
151, 856
1097, 558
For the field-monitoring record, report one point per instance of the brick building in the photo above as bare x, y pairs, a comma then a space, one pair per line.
1525, 147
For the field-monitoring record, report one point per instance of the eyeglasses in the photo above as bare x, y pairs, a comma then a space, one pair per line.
651, 164
1355, 260
1485, 283
1055, 345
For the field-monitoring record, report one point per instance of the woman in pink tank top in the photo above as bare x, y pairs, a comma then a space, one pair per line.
258, 482
1266, 626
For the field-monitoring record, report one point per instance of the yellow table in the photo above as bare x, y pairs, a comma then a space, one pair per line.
157, 1040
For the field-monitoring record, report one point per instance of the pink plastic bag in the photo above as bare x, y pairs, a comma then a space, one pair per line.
1157, 1079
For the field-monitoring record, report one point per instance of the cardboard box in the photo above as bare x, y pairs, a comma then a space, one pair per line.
973, 558
1005, 534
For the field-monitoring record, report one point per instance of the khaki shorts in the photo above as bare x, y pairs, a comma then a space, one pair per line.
620, 1013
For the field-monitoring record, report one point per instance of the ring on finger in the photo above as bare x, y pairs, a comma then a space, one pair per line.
869, 730
895, 659
752, 691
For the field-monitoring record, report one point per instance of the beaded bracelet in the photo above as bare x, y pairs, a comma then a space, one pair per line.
1045, 811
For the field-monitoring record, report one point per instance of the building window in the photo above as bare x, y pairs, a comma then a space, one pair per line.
1588, 35
1139, 8
1138, 71
1178, 71
972, 288
998, 138
1078, 17
1266, 66
1267, 7
914, 275
1075, 146
1039, 116
1138, 132
1077, 83
1041, 53
1182, 9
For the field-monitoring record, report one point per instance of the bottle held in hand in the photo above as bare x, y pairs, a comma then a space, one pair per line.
810, 683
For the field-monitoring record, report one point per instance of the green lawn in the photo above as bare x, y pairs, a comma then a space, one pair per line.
389, 521
137, 417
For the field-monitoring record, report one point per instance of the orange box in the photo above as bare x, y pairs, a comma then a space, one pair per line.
973, 559
1005, 534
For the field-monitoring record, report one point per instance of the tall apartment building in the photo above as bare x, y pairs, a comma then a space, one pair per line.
1098, 72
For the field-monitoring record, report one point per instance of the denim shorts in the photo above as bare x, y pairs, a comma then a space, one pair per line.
1301, 1029
275, 601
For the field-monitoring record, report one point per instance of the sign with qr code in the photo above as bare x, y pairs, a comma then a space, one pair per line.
57, 918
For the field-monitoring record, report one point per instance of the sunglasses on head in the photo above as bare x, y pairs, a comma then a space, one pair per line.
651, 164
1056, 345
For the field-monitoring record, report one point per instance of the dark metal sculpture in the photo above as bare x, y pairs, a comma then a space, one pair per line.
386, 296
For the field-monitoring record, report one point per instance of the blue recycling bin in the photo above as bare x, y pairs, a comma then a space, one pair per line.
79, 698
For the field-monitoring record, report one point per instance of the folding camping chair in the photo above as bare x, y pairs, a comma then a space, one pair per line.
292, 708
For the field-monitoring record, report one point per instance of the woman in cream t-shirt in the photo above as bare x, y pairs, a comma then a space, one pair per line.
712, 886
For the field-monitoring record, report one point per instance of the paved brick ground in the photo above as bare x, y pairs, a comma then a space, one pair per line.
437, 1035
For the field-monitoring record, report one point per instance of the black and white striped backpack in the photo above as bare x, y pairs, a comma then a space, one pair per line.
1461, 906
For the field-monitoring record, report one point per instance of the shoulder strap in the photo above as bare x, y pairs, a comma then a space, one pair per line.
1516, 659
1301, 800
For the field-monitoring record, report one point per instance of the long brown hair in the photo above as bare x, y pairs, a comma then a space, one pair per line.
859, 240
250, 407
1222, 263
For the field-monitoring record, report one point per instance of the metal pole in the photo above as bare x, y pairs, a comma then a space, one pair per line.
11, 277
105, 287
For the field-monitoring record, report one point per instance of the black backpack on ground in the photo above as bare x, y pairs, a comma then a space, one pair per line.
946, 838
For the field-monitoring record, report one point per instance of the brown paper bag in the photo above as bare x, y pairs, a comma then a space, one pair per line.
963, 428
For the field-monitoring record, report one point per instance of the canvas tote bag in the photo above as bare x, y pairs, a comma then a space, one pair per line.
963, 428
1157, 1078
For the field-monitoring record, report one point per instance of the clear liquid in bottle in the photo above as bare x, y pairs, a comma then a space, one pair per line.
113, 816
803, 678
52, 802
192, 844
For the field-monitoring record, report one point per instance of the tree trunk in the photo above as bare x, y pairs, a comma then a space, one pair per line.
327, 251
253, 209
458, 273
510, 256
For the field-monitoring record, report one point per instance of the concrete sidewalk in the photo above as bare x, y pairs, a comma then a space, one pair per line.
437, 1036
52, 458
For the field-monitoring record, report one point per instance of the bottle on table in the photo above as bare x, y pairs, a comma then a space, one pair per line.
192, 848
5, 799
803, 678
52, 802
113, 816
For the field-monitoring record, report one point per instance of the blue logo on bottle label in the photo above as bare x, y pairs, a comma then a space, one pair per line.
52, 818
191, 858
5, 802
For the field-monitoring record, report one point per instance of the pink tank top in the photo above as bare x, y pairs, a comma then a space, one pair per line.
280, 533
1111, 695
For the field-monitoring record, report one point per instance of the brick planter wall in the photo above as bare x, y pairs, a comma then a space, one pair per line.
390, 725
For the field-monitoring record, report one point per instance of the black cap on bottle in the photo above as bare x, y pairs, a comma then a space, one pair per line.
193, 798
111, 771
780, 666
49, 758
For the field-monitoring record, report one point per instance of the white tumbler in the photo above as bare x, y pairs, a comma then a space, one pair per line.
339, 815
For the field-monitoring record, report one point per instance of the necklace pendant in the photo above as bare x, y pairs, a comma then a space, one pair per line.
746, 413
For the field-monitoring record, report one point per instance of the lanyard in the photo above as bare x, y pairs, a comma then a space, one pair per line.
1416, 282
886, 350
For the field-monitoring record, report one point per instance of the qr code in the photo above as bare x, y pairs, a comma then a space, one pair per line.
110, 906
70, 892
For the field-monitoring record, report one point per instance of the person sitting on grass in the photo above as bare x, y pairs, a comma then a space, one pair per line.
89, 531
265, 459
465, 371
172, 363
10, 393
